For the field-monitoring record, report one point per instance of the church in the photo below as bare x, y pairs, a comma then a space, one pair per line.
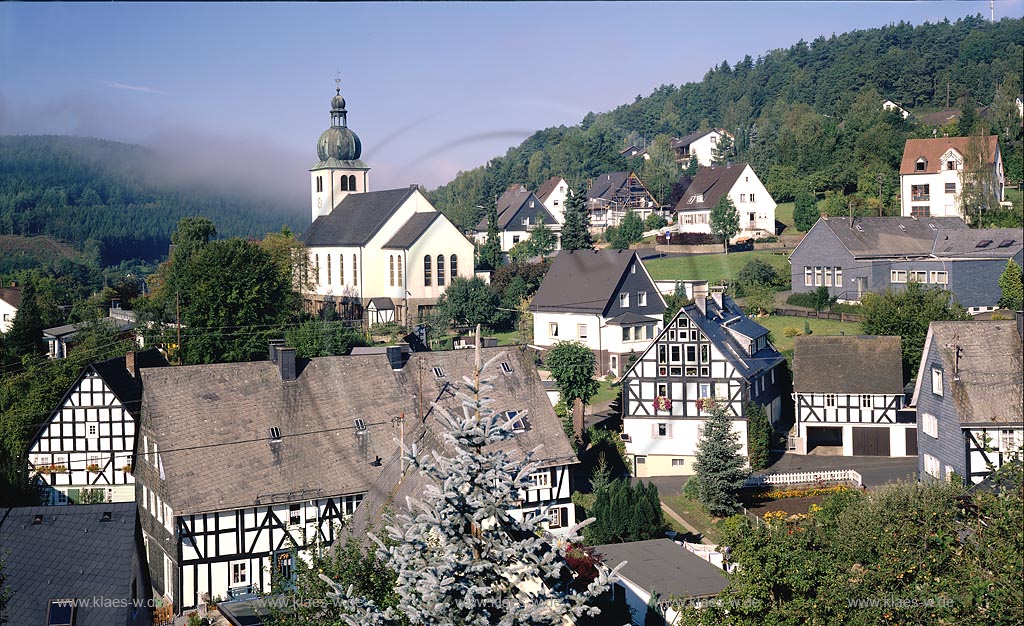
377, 256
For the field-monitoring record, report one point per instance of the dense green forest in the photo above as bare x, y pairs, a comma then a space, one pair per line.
98, 196
807, 118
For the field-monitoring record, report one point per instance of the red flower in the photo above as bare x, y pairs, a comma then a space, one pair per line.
662, 403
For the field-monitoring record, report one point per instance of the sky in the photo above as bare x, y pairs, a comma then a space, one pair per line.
241, 92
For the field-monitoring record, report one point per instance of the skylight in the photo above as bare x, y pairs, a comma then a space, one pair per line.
505, 367
984, 243
518, 424
61, 613
1006, 243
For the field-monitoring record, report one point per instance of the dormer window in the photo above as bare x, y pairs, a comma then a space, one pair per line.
921, 165
951, 165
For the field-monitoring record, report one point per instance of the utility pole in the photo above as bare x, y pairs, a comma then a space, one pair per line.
880, 177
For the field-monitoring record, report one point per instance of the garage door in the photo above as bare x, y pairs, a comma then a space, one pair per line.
911, 442
871, 441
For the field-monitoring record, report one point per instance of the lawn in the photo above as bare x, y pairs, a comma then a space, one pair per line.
507, 338
784, 214
714, 267
777, 325
694, 513
606, 392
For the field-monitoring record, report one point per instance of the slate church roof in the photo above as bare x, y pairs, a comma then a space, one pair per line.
356, 219
848, 365
70, 553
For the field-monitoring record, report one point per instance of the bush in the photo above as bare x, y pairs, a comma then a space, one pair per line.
768, 239
807, 327
688, 239
757, 272
792, 331
691, 489
655, 221
802, 299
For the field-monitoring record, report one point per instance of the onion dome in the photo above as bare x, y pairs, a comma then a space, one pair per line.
338, 142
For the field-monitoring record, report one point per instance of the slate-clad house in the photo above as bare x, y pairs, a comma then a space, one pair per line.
243, 465
366, 244
613, 194
871, 254
710, 351
519, 212
848, 393
931, 172
604, 299
79, 565
969, 398
754, 205
84, 450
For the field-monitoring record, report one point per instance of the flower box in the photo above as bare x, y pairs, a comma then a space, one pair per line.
92, 467
662, 403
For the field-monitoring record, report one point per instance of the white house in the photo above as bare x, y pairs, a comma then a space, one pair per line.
604, 299
554, 193
701, 144
889, 105
519, 213
614, 194
10, 300
84, 451
754, 204
849, 396
364, 245
931, 171
709, 353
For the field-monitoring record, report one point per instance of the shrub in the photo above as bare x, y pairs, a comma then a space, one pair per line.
807, 327
692, 487
792, 331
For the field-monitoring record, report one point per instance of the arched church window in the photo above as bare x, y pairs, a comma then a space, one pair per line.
440, 270
316, 266
399, 270
328, 269
352, 182
344, 183
392, 259
454, 266
341, 268
427, 279
355, 270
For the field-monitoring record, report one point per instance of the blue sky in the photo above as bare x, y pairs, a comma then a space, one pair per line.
242, 90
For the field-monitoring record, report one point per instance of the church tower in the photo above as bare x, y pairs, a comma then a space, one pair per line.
339, 172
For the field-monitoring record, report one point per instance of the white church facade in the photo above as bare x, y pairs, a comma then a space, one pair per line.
375, 249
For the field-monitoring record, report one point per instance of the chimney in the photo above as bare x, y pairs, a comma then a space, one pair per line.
1020, 323
129, 364
716, 295
286, 363
702, 304
395, 357
274, 345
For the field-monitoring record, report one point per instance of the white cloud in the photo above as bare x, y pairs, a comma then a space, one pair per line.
142, 88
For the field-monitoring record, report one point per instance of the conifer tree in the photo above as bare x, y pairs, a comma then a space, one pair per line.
719, 466
460, 558
26, 333
759, 436
490, 254
575, 230
1011, 288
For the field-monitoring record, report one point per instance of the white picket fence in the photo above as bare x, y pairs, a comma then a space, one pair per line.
805, 478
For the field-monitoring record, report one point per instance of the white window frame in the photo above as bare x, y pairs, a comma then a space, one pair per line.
937, 381
581, 331
828, 276
808, 276
239, 572
939, 277
678, 462
556, 517
930, 425
624, 299
817, 276
641, 298
839, 276
540, 480
291, 522
931, 465
897, 277
919, 276
553, 330
1010, 440
662, 430
830, 399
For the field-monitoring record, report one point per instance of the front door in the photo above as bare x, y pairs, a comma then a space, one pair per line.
911, 442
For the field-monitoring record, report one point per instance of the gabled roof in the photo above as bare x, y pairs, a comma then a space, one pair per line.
848, 365
933, 149
940, 118
986, 381
127, 386
68, 331
519, 389
665, 567
890, 236
692, 137
188, 409
548, 187
412, 230
732, 337
710, 184
509, 205
11, 295
582, 281
356, 219
606, 185
1002, 243
70, 554
381, 304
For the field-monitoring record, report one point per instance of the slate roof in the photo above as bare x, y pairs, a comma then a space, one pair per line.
933, 149
412, 230
11, 295
848, 365
711, 324
1004, 243
519, 390
382, 304
126, 387
664, 566
356, 219
188, 409
712, 183
509, 204
605, 185
71, 554
986, 385
891, 236
582, 281
692, 137
68, 331
630, 317
548, 187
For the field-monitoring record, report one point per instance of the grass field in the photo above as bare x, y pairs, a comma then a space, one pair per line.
694, 513
713, 267
784, 214
777, 325
605, 393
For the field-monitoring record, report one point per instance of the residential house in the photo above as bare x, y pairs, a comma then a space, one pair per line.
84, 451
10, 300
753, 203
871, 254
931, 174
661, 573
635, 151
604, 299
74, 565
848, 393
60, 340
701, 144
969, 397
614, 194
889, 105
709, 353
243, 466
519, 212
554, 193
366, 244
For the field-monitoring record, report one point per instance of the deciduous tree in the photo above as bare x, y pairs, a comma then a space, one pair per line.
805, 211
725, 221
572, 365
468, 302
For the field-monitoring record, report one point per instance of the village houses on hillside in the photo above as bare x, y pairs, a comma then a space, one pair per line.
932, 174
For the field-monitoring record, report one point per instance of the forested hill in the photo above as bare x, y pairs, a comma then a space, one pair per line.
806, 117
101, 194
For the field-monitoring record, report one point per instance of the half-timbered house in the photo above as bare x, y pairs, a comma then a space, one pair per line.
614, 194
969, 399
710, 351
848, 393
83, 452
244, 466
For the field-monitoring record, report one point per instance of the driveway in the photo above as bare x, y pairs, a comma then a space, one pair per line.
875, 470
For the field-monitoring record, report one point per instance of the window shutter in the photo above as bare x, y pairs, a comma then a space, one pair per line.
668, 429
654, 430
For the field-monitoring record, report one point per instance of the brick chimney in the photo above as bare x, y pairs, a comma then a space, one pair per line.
129, 364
